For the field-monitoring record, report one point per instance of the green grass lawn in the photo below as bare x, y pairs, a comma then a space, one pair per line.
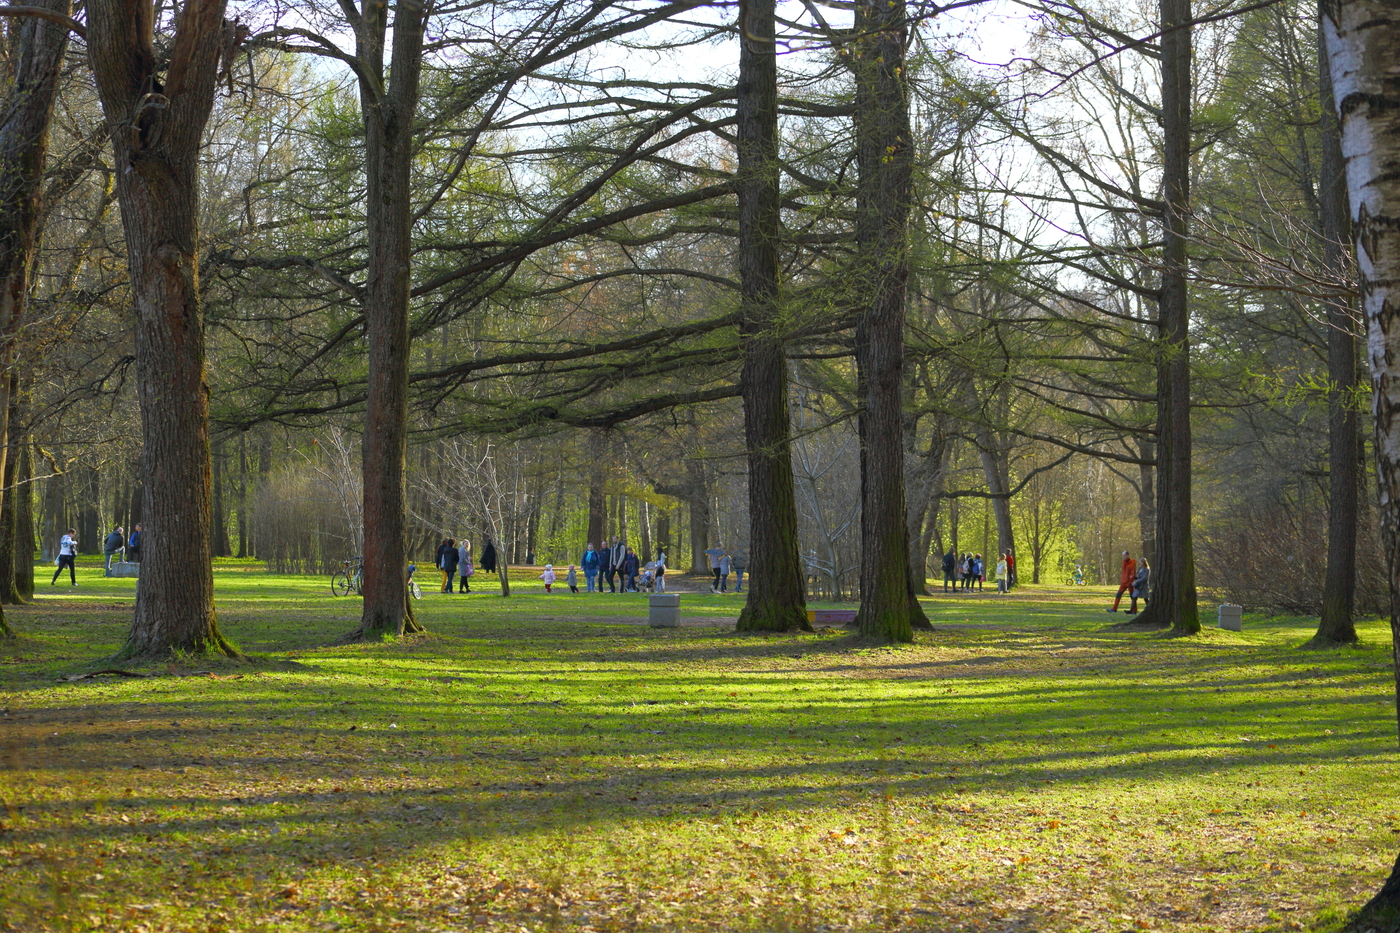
551, 763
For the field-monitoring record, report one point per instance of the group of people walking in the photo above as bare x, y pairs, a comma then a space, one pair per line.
968, 571
619, 566
455, 561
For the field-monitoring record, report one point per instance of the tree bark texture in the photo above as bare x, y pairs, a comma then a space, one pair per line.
777, 599
697, 497
156, 128
1147, 500
884, 196
597, 499
37, 50
24, 522
388, 110
1336, 625
1363, 45
11, 555
1173, 599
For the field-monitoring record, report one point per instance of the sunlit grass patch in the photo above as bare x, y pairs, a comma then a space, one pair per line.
551, 762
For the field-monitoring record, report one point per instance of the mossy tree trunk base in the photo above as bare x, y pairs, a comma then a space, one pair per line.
767, 617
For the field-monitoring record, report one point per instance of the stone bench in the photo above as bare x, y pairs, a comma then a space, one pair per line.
831, 616
122, 568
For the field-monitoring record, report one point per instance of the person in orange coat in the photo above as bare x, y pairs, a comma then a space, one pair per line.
1125, 579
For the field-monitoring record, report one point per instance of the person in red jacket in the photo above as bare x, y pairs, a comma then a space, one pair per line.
1125, 579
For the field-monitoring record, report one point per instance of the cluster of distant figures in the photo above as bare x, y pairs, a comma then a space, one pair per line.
615, 564
968, 571
455, 562
116, 546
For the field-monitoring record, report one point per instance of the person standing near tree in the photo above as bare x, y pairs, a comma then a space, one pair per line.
1126, 574
464, 567
448, 563
1140, 584
660, 586
1010, 569
67, 554
111, 547
739, 560
726, 562
631, 565
950, 565
133, 546
488, 557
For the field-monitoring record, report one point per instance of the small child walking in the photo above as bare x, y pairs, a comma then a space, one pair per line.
548, 578
572, 579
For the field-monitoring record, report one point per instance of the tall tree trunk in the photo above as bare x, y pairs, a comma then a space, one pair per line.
243, 494
663, 534
24, 522
156, 132
925, 491
1363, 45
55, 509
37, 49
1147, 500
219, 513
644, 526
1173, 599
11, 554
884, 155
776, 600
597, 499
698, 500
388, 108
90, 532
1336, 626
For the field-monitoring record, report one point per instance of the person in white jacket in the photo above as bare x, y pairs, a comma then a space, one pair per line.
67, 554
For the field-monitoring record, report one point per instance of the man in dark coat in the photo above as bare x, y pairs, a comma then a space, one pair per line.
605, 568
950, 563
488, 557
111, 547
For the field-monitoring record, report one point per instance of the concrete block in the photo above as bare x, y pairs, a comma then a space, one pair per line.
664, 610
1230, 616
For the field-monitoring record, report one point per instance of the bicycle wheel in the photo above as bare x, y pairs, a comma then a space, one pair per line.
415, 589
340, 583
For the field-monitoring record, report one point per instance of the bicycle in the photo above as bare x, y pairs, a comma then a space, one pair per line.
351, 576
414, 589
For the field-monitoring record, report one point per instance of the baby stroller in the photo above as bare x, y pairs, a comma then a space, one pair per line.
646, 583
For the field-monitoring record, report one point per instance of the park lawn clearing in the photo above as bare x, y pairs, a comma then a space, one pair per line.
551, 763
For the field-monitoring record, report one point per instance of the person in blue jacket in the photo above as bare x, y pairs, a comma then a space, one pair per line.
589, 563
